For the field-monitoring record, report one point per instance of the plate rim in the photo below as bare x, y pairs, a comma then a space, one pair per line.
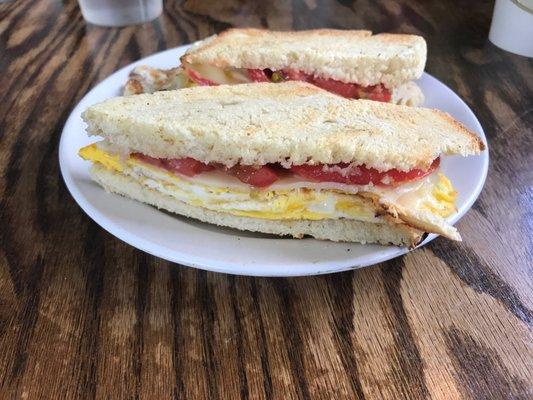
186, 259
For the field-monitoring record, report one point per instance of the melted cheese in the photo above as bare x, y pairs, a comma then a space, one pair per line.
221, 76
434, 194
287, 199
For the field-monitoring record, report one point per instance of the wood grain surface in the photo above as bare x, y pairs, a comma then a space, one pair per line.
83, 315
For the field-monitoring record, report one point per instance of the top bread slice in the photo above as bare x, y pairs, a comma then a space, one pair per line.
288, 123
347, 56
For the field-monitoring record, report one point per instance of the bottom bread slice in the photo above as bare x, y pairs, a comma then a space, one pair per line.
338, 230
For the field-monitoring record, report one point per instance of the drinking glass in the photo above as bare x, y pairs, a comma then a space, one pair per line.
120, 12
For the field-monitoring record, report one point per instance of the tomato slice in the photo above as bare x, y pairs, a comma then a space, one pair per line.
294, 75
340, 173
197, 78
376, 93
256, 176
348, 90
258, 75
156, 162
413, 175
360, 175
354, 91
266, 175
185, 166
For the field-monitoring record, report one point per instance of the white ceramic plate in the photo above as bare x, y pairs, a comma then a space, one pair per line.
212, 248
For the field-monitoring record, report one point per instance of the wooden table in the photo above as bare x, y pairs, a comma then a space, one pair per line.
83, 315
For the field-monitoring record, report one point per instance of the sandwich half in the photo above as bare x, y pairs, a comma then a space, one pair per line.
286, 159
353, 64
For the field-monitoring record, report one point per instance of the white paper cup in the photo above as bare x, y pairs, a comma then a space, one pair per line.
512, 26
120, 12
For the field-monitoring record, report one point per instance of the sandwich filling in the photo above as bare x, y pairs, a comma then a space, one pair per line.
209, 75
144, 79
423, 198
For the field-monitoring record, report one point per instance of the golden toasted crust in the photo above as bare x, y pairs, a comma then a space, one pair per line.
476, 141
348, 56
339, 230
288, 123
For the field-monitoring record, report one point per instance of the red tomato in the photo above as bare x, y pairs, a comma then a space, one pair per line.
258, 75
256, 176
377, 93
156, 162
186, 166
348, 90
401, 176
293, 75
195, 76
359, 175
332, 173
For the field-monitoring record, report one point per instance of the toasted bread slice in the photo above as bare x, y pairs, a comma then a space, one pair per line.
288, 123
339, 230
343, 55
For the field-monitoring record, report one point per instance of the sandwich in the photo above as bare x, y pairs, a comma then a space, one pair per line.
288, 159
352, 64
